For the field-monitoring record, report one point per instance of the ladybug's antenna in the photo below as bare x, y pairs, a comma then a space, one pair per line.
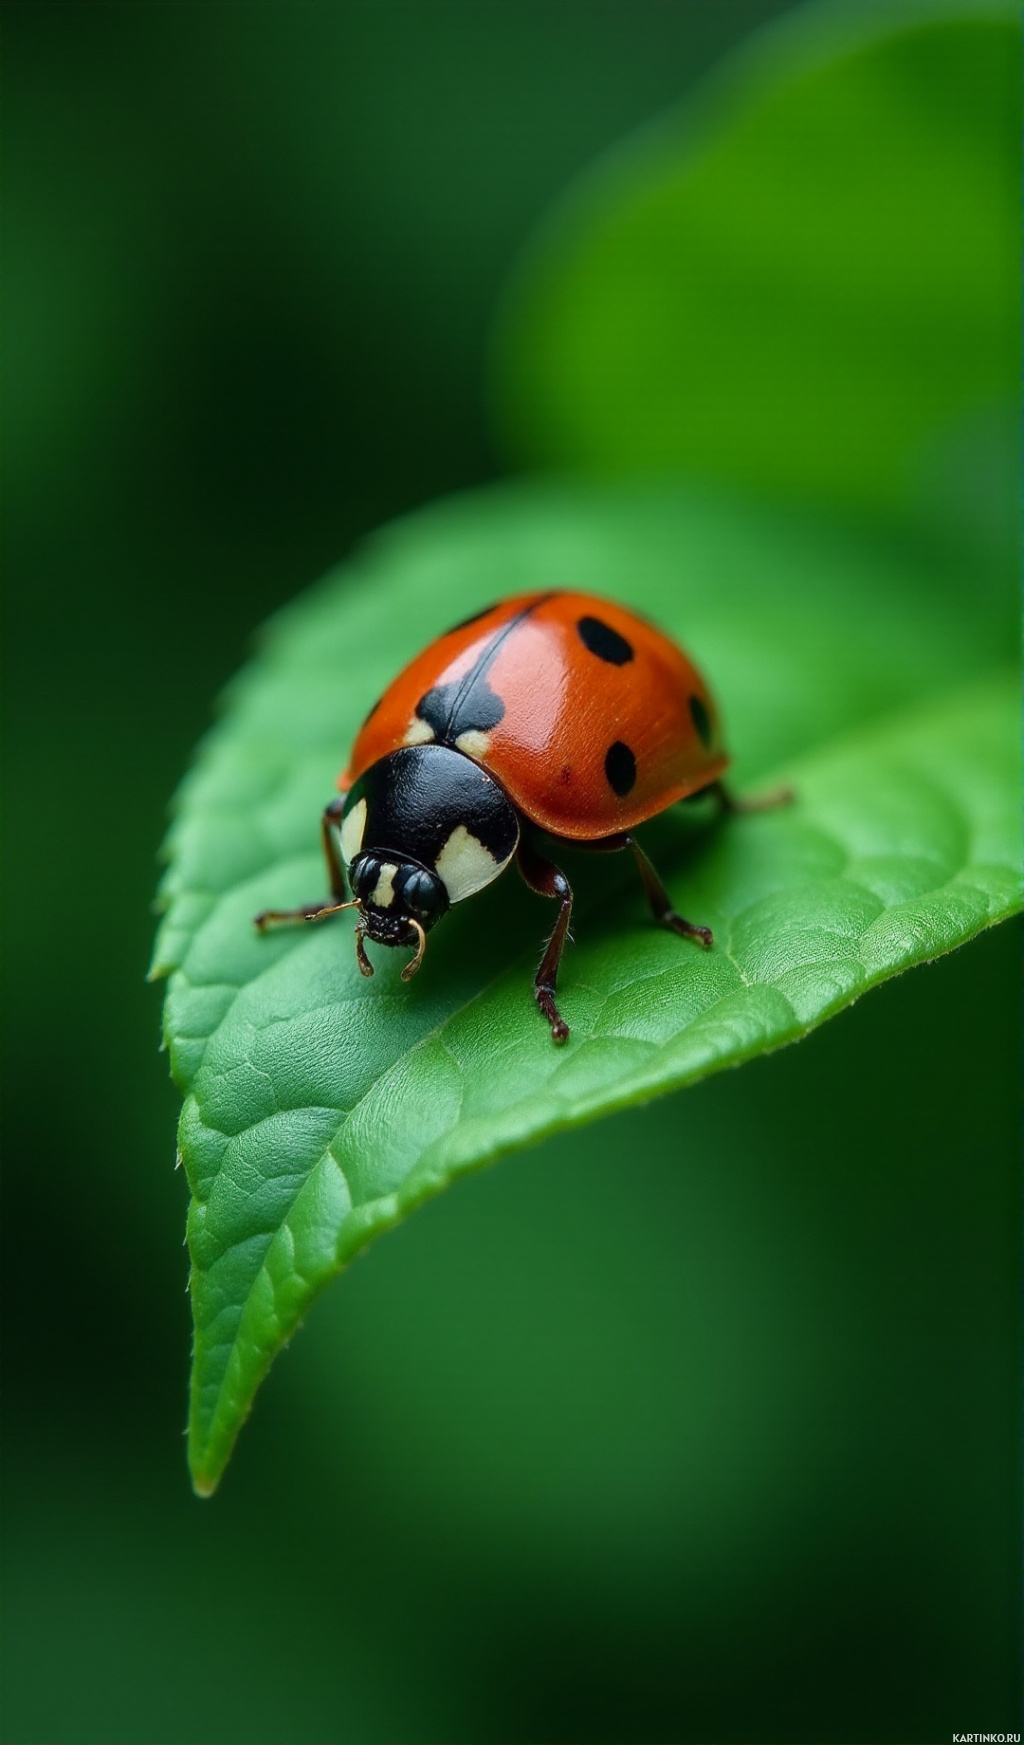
365, 965
315, 912
413, 965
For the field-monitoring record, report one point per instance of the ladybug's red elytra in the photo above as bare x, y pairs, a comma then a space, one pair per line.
549, 713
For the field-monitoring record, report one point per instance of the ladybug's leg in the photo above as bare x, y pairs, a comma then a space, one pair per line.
335, 874
657, 896
731, 806
335, 870
661, 902
548, 880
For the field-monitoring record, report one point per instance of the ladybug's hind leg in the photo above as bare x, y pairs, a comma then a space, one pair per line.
548, 880
733, 806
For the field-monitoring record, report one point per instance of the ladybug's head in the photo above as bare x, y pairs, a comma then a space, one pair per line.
398, 902
420, 830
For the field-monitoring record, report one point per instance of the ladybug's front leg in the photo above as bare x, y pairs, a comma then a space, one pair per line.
548, 880
335, 874
329, 822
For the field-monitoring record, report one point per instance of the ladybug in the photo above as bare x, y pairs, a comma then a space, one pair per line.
554, 714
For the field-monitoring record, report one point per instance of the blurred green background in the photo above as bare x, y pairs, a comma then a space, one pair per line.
742, 1467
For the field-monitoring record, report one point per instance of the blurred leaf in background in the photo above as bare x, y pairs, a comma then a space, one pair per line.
803, 282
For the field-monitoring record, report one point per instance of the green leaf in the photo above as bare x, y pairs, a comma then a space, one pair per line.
804, 281
320, 1108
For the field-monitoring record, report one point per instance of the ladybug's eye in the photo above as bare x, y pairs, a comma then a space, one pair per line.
363, 875
421, 893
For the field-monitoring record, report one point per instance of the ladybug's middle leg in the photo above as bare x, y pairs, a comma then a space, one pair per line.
661, 902
657, 896
548, 880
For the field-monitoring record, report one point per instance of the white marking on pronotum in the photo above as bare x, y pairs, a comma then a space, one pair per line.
352, 826
464, 865
474, 743
418, 732
383, 893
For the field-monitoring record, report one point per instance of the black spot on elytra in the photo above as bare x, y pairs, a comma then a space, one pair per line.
468, 705
620, 767
464, 623
450, 710
701, 720
603, 641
